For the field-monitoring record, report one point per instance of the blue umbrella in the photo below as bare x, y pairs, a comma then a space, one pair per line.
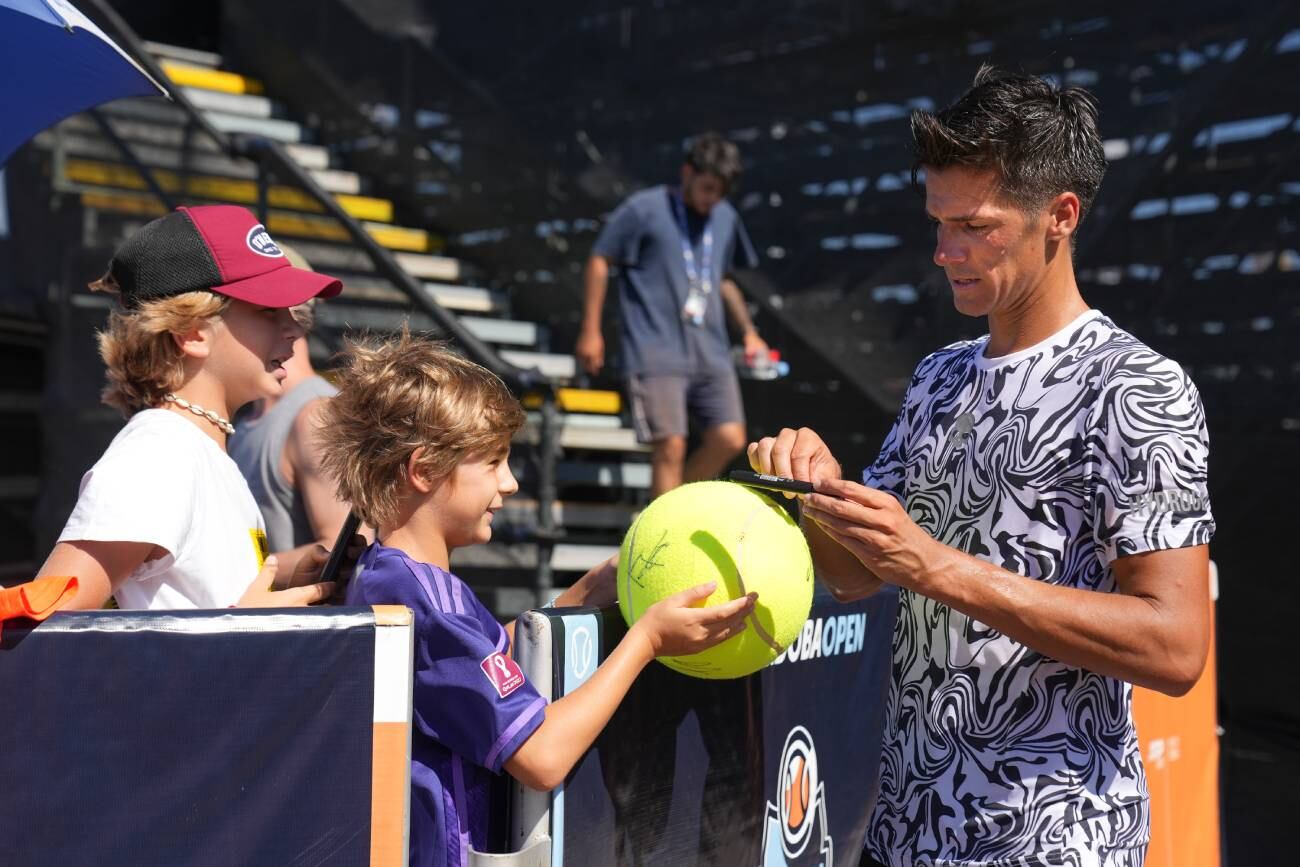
55, 62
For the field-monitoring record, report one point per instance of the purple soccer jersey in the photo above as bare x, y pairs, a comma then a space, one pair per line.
472, 705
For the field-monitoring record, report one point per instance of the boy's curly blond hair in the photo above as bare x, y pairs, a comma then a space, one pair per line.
142, 358
401, 394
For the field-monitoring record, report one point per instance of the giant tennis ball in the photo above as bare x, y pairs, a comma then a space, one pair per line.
724, 532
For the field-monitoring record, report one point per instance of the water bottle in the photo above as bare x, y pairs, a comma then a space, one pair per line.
760, 365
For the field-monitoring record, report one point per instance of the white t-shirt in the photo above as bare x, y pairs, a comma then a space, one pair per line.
162, 481
1050, 462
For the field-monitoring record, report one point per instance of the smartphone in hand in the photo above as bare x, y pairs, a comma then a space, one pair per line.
770, 483
334, 569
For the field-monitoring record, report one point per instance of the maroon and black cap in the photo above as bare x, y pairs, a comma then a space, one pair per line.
217, 248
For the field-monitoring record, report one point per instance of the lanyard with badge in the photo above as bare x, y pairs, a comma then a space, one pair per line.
699, 277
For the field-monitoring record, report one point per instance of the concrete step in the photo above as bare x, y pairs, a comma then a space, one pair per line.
90, 145
606, 474
463, 299
565, 557
552, 365
582, 419
521, 512
579, 436
105, 174
272, 128
467, 298
153, 109
309, 156
354, 317
503, 332
331, 257
241, 104
190, 56
349, 259
196, 77
163, 125
289, 224
439, 269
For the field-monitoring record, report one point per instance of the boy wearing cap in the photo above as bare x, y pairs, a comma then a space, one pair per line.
164, 519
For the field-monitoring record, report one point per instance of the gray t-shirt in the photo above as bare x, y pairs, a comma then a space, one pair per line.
256, 448
1051, 462
643, 238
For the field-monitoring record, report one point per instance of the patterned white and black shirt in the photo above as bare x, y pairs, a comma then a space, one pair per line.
1050, 462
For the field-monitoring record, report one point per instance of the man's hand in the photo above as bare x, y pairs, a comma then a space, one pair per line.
794, 454
876, 529
261, 595
597, 589
306, 569
755, 346
590, 351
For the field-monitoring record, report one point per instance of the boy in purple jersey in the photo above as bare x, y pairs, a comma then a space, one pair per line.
417, 440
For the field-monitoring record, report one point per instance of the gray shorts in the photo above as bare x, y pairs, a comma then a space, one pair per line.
662, 403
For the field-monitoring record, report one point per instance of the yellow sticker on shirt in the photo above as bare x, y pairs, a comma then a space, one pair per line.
260, 547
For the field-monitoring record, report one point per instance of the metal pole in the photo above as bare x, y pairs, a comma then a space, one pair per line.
263, 192
111, 134
547, 451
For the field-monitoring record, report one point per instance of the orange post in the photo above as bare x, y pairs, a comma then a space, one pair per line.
1180, 747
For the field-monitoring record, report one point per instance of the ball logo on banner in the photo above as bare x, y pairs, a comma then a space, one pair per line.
799, 814
582, 651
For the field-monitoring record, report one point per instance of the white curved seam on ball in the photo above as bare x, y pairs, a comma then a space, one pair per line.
752, 619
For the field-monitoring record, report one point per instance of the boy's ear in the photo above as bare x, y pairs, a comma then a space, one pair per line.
415, 476
195, 343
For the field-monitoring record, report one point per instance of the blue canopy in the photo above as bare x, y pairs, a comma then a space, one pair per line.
54, 62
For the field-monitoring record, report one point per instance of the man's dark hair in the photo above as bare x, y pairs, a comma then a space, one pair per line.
712, 154
1041, 140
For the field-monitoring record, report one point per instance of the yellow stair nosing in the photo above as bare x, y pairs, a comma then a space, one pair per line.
290, 224
224, 189
400, 238
185, 75
590, 400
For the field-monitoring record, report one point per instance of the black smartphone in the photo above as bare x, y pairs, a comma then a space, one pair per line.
333, 570
770, 483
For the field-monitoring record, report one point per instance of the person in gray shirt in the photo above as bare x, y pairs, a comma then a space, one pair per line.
275, 448
674, 248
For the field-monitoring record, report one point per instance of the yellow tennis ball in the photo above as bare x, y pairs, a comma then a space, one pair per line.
724, 532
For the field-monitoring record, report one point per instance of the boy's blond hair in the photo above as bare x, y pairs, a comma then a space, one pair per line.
399, 395
142, 357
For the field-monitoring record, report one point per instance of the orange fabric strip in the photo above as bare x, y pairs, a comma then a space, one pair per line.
36, 600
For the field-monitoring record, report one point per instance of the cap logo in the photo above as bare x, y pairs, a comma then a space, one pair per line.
259, 241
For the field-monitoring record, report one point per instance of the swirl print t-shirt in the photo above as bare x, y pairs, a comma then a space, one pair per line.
1050, 462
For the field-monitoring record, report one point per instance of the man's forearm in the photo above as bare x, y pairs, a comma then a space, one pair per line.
736, 307
1117, 634
595, 282
843, 574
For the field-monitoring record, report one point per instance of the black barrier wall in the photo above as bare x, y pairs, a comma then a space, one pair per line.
188, 738
774, 769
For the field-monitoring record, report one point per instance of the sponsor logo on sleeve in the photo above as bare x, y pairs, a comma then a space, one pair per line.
503, 672
1170, 501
